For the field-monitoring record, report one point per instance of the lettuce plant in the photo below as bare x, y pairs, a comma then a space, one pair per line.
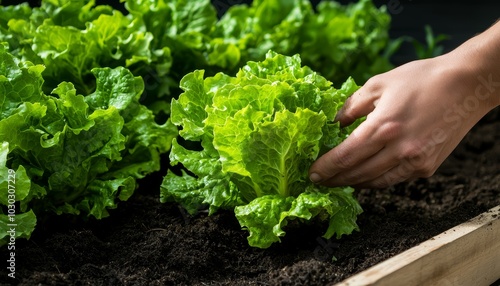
257, 134
70, 153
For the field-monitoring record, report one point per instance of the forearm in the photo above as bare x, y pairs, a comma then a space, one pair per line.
480, 58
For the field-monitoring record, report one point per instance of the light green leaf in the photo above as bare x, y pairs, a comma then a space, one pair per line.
15, 184
261, 217
267, 216
24, 225
189, 110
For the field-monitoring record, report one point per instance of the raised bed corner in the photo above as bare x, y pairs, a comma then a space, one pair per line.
468, 254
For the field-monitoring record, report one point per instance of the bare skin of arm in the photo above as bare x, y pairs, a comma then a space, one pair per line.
416, 116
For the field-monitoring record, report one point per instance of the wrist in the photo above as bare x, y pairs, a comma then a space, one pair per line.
478, 60
484, 57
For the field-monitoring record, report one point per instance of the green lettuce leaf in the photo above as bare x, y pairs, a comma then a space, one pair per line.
266, 216
259, 132
16, 187
70, 37
212, 188
20, 226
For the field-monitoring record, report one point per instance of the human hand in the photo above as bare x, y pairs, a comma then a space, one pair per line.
416, 115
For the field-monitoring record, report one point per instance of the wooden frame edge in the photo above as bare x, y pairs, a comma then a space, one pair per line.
468, 254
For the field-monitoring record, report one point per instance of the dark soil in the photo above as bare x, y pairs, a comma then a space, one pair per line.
144, 242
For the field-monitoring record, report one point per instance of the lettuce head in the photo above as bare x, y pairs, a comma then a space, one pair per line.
248, 142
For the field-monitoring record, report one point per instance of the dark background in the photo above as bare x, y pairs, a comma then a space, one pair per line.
460, 20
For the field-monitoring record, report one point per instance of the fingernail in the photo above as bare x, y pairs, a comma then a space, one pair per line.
338, 115
315, 178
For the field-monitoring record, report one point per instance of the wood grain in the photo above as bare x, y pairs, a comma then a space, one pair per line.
468, 254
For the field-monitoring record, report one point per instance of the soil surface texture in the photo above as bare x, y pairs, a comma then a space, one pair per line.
145, 242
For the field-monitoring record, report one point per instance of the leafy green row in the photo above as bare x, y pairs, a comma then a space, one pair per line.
163, 40
83, 87
70, 153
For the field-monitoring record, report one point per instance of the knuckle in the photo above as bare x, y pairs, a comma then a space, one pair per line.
411, 153
342, 159
420, 165
418, 161
390, 130
351, 177
374, 84
426, 171
382, 182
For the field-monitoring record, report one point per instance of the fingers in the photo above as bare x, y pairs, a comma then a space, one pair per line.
398, 174
350, 153
379, 171
359, 104
367, 171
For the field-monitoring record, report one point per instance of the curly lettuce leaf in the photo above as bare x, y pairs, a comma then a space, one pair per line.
211, 187
184, 30
70, 53
72, 37
16, 187
24, 225
266, 216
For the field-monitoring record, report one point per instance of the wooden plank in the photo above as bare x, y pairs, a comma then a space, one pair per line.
468, 254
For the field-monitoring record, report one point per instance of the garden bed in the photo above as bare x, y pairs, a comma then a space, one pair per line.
144, 242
